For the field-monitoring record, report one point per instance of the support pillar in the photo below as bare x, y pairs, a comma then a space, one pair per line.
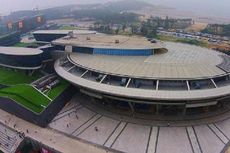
184, 111
131, 107
157, 109
206, 109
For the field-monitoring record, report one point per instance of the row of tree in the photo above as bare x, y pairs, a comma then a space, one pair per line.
131, 25
218, 29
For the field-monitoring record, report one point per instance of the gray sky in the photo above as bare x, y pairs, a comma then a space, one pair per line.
7, 6
204, 7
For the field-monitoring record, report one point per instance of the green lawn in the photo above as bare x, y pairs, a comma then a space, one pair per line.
10, 77
53, 93
68, 28
27, 96
21, 44
20, 91
183, 40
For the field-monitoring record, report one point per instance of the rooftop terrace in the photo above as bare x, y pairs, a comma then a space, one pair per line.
180, 62
108, 41
63, 32
19, 51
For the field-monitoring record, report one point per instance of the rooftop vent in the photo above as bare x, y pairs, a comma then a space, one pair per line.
117, 41
149, 39
70, 34
153, 41
88, 38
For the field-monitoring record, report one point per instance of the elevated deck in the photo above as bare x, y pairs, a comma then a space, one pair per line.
225, 65
155, 91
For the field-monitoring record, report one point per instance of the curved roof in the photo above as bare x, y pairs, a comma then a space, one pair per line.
182, 61
64, 32
142, 93
19, 51
108, 41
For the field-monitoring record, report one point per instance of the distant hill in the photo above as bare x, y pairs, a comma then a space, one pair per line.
66, 11
135, 6
125, 5
18, 15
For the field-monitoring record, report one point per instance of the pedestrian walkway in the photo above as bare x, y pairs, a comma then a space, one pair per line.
52, 138
9, 139
134, 137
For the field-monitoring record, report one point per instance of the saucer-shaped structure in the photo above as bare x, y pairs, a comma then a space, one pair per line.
141, 71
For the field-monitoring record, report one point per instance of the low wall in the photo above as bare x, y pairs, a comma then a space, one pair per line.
46, 116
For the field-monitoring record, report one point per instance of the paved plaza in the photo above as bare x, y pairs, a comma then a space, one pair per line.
49, 137
79, 129
9, 139
81, 122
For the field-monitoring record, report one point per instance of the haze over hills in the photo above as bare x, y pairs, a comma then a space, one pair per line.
63, 11
162, 8
202, 7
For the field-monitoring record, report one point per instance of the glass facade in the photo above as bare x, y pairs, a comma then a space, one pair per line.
123, 52
10, 39
46, 55
21, 61
48, 37
85, 50
59, 47
107, 51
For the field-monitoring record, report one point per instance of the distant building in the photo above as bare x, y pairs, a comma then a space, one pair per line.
9, 39
25, 24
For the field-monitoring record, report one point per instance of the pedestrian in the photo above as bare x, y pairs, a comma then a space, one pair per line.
96, 129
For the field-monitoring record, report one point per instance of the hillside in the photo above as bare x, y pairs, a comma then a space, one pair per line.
67, 11
125, 5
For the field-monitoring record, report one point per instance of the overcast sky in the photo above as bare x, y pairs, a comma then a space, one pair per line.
209, 7
7, 6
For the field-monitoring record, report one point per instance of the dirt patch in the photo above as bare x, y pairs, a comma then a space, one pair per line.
196, 27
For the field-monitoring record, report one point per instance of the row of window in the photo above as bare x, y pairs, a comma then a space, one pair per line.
123, 52
21, 61
107, 51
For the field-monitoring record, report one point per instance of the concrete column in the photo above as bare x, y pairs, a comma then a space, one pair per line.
153, 109
206, 109
131, 107
184, 110
157, 109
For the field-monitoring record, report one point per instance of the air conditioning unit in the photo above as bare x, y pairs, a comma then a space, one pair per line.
117, 41
70, 34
